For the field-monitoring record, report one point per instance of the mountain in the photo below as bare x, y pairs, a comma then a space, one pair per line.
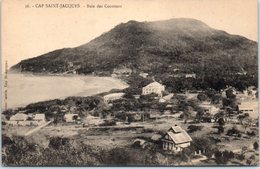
156, 47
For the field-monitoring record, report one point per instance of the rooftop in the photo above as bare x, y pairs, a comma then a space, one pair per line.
179, 138
19, 117
176, 129
154, 84
39, 117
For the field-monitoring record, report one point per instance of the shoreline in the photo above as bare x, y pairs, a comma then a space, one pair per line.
84, 86
65, 75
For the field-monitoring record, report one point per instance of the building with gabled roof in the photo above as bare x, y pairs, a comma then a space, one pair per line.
27, 120
19, 117
153, 87
176, 139
39, 117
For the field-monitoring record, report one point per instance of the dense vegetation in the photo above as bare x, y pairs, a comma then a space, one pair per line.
18, 151
21, 151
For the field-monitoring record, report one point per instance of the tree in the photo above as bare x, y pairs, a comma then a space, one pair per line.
203, 144
242, 117
202, 97
229, 94
220, 129
185, 154
233, 132
75, 118
221, 123
211, 93
240, 86
223, 157
256, 145
216, 99
186, 115
193, 128
228, 154
247, 122
199, 115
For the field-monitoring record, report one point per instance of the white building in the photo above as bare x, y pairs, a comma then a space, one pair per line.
153, 87
70, 118
209, 108
250, 107
113, 96
176, 139
19, 117
39, 117
144, 75
191, 75
122, 72
24, 120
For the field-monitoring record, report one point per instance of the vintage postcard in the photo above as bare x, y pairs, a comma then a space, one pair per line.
129, 83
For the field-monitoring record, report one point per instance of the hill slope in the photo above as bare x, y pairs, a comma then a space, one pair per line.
155, 47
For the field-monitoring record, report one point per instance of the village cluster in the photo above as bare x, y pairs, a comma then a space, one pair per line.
183, 117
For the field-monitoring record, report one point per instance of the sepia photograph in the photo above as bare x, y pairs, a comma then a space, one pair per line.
116, 83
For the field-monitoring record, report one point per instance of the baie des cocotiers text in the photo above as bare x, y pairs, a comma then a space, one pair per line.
57, 5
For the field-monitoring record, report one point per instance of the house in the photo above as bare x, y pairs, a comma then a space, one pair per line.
250, 107
168, 97
39, 118
176, 139
162, 100
113, 96
153, 87
209, 108
70, 118
144, 75
19, 117
136, 96
190, 75
122, 72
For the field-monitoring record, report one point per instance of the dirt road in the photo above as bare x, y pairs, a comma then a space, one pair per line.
37, 128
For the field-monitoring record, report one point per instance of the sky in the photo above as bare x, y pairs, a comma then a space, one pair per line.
30, 32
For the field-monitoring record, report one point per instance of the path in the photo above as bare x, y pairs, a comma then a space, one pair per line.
195, 161
37, 128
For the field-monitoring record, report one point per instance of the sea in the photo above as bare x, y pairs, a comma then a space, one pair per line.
22, 89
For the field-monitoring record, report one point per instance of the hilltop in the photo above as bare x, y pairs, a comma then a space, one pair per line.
154, 47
